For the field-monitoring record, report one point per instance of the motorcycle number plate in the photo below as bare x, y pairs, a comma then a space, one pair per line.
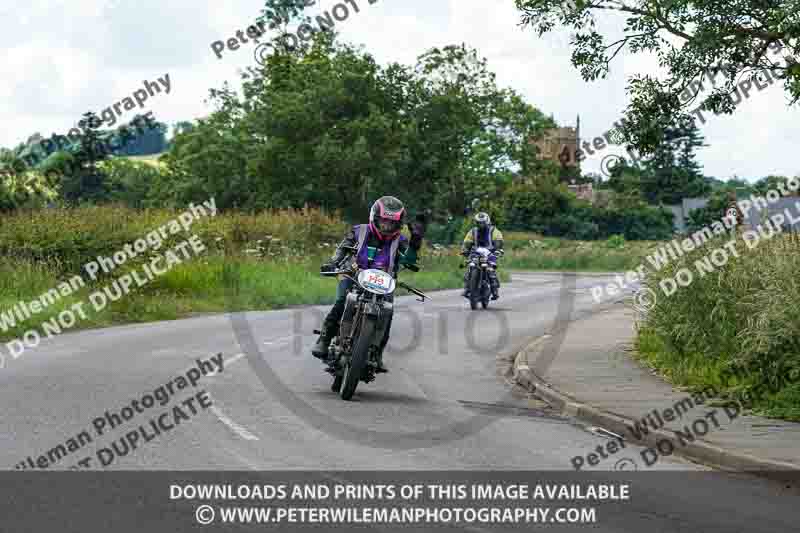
376, 281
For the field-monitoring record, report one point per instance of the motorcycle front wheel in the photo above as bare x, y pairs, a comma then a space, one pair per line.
486, 292
358, 361
337, 384
474, 288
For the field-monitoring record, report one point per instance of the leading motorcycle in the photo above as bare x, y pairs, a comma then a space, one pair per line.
353, 353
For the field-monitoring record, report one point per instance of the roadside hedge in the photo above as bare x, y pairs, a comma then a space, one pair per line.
551, 210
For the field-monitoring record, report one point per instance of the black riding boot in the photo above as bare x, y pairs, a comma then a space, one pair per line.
384, 341
320, 349
494, 285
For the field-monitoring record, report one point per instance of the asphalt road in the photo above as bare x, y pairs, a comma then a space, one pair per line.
444, 405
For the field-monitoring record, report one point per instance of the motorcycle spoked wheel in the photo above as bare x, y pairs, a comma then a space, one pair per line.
486, 292
353, 371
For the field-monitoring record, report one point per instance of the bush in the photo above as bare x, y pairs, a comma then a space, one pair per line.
71, 237
129, 182
705, 216
616, 242
28, 190
532, 207
449, 232
636, 224
552, 210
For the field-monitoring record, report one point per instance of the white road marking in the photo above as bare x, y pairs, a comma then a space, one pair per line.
280, 340
228, 362
236, 428
235, 358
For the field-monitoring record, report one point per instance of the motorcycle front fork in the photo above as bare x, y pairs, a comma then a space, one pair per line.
349, 316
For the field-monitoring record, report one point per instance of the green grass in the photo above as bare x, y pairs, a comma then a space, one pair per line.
40, 249
736, 329
207, 284
532, 252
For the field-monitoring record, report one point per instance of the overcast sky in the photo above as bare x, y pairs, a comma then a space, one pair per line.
66, 57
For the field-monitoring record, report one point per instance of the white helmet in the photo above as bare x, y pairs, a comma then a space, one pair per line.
482, 220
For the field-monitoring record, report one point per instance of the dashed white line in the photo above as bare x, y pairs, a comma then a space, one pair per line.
280, 340
236, 428
225, 419
228, 362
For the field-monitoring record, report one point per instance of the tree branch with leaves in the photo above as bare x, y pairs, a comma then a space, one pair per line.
694, 41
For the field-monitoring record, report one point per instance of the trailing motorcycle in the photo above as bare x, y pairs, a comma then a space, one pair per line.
479, 264
353, 353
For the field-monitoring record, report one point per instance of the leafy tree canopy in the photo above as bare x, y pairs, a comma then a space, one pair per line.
328, 126
729, 41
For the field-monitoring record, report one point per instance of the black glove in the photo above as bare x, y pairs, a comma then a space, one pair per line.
420, 225
417, 230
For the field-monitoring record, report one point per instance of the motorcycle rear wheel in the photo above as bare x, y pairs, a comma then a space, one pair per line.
358, 362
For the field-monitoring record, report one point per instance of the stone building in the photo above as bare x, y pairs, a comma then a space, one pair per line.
560, 145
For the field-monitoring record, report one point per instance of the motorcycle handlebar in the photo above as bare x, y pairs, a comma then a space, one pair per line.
413, 290
349, 274
337, 273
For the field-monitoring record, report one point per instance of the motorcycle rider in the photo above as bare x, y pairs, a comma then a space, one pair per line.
379, 245
487, 236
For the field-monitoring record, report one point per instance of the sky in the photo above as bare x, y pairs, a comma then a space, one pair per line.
66, 57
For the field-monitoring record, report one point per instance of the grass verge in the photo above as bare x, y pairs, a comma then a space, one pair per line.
207, 284
530, 252
736, 328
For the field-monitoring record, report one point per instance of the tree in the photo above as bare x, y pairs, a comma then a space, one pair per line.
769, 183
672, 173
278, 14
11, 163
478, 133
696, 41
330, 127
626, 182
82, 181
282, 12
131, 183
532, 206
184, 126
148, 141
